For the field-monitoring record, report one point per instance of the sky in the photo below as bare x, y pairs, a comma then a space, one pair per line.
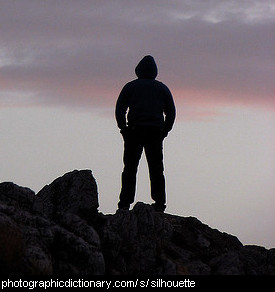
64, 62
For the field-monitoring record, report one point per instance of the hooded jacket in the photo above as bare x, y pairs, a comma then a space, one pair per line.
149, 102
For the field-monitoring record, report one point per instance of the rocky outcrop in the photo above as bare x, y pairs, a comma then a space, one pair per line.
73, 193
144, 242
48, 236
60, 232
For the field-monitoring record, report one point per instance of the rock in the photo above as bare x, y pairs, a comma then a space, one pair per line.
60, 232
50, 239
14, 195
11, 246
270, 262
257, 260
132, 242
228, 263
77, 253
75, 192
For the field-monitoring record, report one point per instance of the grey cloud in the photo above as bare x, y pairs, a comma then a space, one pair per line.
225, 10
57, 47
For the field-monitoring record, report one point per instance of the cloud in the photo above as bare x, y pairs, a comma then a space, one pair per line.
82, 52
227, 10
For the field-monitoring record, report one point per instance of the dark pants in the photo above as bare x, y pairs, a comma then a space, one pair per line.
135, 140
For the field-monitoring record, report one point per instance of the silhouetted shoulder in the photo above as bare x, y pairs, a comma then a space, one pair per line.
150, 82
163, 89
164, 86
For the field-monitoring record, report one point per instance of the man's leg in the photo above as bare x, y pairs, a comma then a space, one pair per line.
154, 156
132, 153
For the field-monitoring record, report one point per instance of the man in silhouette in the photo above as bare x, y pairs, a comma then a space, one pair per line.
145, 113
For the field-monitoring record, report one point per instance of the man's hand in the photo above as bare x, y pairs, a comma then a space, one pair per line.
164, 133
125, 132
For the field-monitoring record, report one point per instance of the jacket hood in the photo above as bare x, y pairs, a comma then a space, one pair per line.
147, 68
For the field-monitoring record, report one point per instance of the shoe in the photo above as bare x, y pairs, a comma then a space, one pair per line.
123, 208
122, 211
159, 208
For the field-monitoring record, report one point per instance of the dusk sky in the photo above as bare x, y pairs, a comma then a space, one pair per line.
64, 62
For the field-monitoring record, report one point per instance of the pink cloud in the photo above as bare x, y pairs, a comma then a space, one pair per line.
79, 54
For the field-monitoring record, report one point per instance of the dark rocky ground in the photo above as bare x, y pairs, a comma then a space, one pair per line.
59, 231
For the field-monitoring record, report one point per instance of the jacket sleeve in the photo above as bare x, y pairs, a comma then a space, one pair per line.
122, 105
169, 111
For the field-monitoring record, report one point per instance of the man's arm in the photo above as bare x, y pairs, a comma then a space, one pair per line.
121, 108
169, 111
